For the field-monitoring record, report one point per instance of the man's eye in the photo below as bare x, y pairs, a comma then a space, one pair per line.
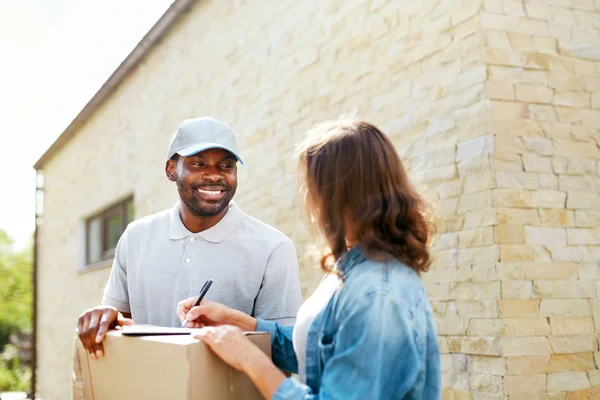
227, 166
198, 164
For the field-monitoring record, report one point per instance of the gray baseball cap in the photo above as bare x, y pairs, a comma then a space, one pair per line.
203, 133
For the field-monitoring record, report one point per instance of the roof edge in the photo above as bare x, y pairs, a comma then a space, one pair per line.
172, 15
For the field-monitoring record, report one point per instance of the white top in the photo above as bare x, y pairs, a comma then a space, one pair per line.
158, 263
306, 315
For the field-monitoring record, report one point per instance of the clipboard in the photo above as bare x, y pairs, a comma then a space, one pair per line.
153, 330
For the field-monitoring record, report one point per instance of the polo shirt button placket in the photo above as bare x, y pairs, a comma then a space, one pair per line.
188, 259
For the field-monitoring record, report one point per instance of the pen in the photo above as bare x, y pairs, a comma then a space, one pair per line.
199, 299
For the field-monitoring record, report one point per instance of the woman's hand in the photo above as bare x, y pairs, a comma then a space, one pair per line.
234, 348
230, 344
206, 314
209, 313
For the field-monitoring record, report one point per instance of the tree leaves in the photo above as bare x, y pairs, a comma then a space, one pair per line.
16, 294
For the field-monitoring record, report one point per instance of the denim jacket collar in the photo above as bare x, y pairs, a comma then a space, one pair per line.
349, 259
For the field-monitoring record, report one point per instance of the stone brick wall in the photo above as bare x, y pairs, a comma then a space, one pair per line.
490, 103
532, 331
543, 73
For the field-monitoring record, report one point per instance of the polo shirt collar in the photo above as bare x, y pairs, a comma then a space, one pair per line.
215, 234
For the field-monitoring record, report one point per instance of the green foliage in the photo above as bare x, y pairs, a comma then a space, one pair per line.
16, 293
13, 377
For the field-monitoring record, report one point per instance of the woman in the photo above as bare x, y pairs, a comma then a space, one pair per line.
367, 332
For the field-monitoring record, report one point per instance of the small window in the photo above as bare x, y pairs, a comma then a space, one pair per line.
104, 230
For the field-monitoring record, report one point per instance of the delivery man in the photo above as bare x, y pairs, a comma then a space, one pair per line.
164, 258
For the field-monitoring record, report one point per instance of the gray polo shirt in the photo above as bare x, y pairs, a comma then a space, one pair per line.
158, 263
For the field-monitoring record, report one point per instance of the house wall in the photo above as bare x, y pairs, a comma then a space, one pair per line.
517, 252
544, 79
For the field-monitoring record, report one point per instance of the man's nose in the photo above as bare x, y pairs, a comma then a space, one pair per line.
213, 176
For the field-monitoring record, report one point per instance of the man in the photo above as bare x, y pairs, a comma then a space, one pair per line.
166, 257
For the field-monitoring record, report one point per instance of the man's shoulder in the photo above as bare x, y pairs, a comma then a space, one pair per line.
262, 231
144, 224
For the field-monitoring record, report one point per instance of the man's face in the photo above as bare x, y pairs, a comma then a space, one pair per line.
206, 181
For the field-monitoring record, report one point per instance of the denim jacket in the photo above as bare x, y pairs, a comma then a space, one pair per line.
376, 338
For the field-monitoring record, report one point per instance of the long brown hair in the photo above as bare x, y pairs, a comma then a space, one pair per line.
354, 184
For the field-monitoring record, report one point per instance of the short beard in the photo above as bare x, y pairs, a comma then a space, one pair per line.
196, 208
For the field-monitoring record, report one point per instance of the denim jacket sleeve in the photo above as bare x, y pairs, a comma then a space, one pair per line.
375, 350
282, 348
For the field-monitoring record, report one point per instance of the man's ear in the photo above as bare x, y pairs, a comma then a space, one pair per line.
171, 170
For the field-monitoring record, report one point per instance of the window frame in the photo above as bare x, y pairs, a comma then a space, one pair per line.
119, 208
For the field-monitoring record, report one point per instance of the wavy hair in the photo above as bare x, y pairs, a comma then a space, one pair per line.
357, 192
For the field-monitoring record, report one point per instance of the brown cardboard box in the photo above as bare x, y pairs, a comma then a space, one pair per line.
174, 367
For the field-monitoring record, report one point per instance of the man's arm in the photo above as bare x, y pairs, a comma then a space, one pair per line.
114, 311
116, 292
280, 297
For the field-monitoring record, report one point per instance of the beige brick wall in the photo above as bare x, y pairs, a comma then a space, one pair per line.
543, 72
492, 104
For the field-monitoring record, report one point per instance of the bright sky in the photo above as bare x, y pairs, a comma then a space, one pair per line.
55, 56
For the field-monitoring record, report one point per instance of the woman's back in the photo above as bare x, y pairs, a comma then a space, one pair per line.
377, 337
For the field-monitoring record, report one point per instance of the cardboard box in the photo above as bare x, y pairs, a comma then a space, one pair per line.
164, 366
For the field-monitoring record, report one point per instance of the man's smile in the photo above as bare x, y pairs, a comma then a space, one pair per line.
211, 193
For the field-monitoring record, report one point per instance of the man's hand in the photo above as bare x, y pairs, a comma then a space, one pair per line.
209, 313
93, 325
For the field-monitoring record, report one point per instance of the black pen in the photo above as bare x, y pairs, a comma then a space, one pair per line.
199, 299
